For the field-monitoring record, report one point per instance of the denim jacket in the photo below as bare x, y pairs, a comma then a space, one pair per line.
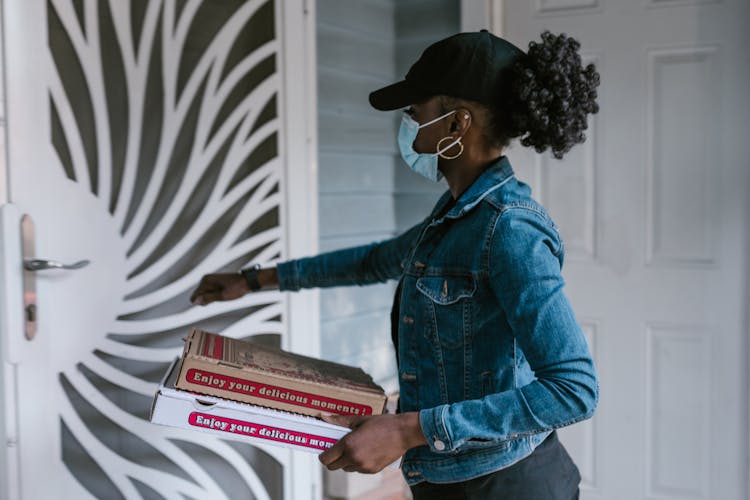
489, 350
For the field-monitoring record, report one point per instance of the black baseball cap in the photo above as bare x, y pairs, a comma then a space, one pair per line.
473, 66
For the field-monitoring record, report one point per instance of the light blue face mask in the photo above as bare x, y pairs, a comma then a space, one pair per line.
425, 164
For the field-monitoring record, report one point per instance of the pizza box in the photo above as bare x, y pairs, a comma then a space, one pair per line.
266, 376
241, 421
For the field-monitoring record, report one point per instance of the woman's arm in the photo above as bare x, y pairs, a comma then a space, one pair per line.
362, 265
525, 262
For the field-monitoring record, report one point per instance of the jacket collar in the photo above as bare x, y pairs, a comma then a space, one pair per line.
491, 179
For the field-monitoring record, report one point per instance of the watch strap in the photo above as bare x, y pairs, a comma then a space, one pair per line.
251, 277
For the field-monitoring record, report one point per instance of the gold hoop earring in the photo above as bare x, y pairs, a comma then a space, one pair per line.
449, 138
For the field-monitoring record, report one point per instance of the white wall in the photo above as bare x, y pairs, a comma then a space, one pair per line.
356, 44
366, 193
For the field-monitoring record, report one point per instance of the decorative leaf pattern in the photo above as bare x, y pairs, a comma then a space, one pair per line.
167, 112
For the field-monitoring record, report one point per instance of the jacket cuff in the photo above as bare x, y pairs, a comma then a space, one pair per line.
288, 276
434, 429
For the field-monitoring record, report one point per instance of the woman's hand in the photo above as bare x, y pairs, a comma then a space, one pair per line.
225, 286
230, 286
374, 442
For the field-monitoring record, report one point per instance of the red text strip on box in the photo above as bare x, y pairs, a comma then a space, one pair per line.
232, 426
273, 393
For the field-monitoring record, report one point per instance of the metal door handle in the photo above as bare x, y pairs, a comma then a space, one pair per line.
41, 264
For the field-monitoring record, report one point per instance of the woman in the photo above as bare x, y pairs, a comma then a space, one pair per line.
491, 358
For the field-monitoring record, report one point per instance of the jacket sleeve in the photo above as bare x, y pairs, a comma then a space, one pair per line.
525, 264
361, 265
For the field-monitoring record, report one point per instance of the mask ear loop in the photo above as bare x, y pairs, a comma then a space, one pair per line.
442, 154
435, 120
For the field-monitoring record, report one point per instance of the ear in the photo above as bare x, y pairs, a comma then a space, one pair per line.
461, 121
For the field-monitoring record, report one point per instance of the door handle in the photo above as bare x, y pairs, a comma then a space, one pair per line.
42, 264
30, 265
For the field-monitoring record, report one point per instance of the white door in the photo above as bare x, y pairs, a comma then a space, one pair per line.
654, 210
151, 138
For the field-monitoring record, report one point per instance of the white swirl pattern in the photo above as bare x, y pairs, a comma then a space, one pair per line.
206, 198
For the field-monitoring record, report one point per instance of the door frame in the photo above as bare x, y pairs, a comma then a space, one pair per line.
296, 23
301, 207
9, 462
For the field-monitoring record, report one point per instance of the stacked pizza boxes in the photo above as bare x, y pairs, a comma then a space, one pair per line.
257, 393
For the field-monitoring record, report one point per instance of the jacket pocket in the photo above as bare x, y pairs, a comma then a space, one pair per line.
446, 290
448, 308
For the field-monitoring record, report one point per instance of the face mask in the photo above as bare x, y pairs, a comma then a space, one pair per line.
425, 164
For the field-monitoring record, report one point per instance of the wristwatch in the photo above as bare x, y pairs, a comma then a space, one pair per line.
251, 276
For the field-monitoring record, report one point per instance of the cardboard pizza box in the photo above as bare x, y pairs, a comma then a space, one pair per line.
261, 375
240, 421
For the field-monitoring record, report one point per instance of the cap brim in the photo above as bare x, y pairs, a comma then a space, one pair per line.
398, 95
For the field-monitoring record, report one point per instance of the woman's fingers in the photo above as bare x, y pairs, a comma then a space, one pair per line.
342, 463
208, 291
368, 448
213, 287
330, 456
207, 298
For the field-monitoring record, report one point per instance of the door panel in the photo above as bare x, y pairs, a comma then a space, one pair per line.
150, 138
653, 210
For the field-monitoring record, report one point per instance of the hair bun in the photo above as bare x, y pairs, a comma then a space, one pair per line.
553, 94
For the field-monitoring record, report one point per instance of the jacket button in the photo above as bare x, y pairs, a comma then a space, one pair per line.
439, 445
408, 320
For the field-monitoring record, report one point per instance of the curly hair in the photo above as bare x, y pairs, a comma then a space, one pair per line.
549, 99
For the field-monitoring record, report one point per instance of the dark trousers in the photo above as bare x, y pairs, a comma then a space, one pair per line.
547, 474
